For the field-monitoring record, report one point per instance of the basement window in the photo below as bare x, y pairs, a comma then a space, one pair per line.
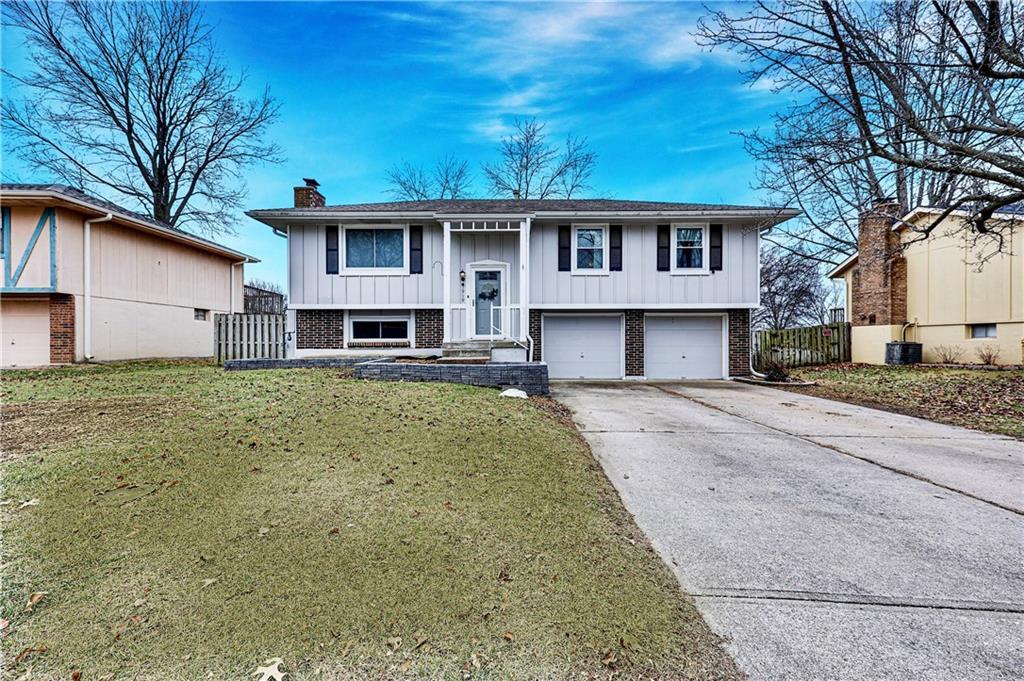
200, 315
983, 330
380, 329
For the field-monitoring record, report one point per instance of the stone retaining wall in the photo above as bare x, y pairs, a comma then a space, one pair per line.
530, 377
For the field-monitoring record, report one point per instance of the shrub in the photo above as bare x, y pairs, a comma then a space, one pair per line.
949, 354
774, 371
987, 354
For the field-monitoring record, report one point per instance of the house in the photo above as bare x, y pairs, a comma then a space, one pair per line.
935, 291
84, 278
595, 288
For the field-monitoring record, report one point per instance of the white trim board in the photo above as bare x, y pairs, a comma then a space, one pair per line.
614, 307
365, 306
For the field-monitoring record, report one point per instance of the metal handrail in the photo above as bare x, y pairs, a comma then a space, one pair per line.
524, 346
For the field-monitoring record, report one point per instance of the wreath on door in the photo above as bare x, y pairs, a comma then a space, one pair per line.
489, 294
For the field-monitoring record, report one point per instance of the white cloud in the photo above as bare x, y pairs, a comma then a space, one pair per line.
540, 54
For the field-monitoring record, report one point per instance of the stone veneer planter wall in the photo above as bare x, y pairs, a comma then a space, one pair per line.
530, 377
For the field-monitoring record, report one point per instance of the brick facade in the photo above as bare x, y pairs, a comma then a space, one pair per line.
739, 342
634, 342
429, 328
535, 334
319, 329
879, 280
62, 328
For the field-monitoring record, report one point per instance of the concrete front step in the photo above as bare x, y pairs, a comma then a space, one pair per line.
464, 359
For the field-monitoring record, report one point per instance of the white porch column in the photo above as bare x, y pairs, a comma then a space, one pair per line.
524, 280
446, 282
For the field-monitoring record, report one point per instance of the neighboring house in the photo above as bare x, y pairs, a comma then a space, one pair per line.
84, 278
261, 301
933, 290
597, 288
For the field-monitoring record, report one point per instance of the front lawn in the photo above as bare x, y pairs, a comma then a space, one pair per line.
184, 522
991, 401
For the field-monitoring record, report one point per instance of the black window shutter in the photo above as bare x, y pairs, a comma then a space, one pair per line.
415, 249
715, 248
615, 248
332, 249
564, 248
664, 249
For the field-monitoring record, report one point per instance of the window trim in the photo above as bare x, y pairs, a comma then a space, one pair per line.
705, 267
995, 330
350, 337
345, 271
590, 272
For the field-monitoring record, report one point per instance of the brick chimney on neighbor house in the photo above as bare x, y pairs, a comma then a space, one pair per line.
878, 284
309, 196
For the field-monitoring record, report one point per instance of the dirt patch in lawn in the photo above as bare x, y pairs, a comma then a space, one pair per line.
36, 427
990, 401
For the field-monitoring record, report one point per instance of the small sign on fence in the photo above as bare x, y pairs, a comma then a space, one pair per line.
826, 332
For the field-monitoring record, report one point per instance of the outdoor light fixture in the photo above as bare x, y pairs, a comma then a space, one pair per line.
462, 277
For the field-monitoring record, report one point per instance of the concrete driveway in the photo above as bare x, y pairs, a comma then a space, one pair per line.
823, 540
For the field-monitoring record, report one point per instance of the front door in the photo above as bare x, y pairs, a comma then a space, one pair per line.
487, 288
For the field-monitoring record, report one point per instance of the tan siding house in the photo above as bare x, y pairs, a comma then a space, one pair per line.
943, 292
152, 289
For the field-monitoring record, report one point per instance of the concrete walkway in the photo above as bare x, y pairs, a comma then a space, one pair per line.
823, 540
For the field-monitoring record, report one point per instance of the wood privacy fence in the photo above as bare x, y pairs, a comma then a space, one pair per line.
803, 346
248, 336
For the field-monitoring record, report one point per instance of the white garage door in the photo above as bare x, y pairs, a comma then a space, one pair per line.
24, 333
583, 346
683, 347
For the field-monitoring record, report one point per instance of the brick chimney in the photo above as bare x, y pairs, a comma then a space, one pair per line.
879, 281
309, 196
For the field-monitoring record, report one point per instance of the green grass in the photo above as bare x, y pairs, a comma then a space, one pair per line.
193, 523
991, 401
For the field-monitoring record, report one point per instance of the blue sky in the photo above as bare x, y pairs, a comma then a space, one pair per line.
363, 86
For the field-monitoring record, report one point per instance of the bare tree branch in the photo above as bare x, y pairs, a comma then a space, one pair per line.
528, 167
920, 100
130, 99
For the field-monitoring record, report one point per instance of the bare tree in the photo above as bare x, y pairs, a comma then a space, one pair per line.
793, 292
449, 179
266, 285
529, 167
921, 100
132, 99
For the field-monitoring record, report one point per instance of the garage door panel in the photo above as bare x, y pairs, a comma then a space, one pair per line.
24, 333
678, 347
583, 346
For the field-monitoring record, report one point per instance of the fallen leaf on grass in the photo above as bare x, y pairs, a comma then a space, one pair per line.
28, 651
509, 636
264, 531
30, 502
34, 599
420, 640
334, 530
76, 675
404, 667
208, 582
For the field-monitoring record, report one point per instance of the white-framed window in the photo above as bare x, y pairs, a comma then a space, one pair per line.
370, 329
983, 330
200, 315
590, 249
690, 248
374, 249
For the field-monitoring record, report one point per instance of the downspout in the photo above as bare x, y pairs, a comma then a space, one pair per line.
87, 288
231, 285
